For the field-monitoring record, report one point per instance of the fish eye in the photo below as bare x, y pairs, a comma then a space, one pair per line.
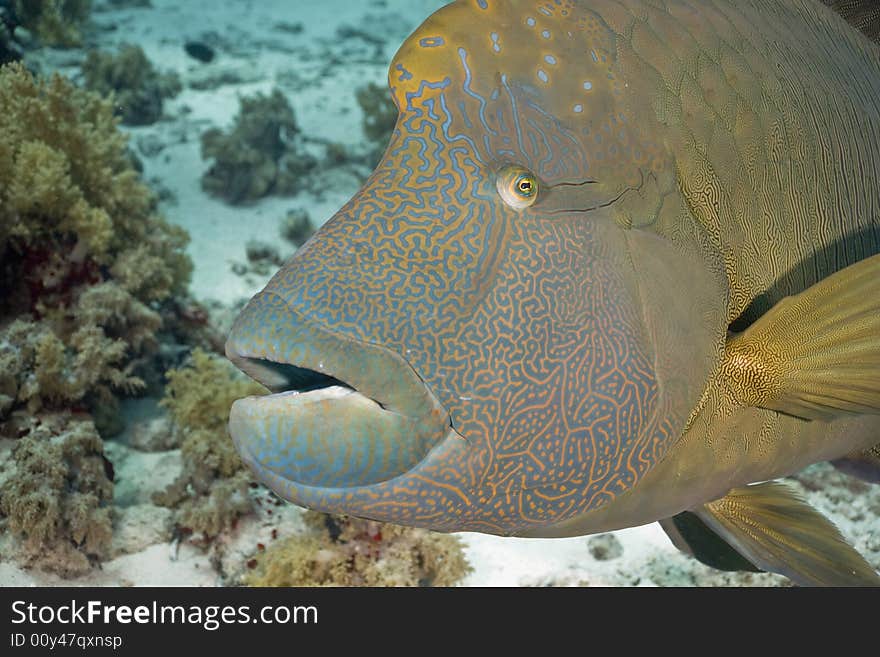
518, 187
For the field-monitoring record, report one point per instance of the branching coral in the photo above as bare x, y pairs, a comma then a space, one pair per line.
262, 154
54, 22
67, 187
41, 370
83, 259
212, 491
137, 88
86, 270
58, 494
343, 551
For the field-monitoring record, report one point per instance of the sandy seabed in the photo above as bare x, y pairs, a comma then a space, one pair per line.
318, 72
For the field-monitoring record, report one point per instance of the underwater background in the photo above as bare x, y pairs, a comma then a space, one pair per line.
181, 154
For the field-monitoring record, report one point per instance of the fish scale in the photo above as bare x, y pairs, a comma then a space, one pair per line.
804, 80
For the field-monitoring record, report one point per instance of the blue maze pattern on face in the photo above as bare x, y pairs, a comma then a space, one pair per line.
525, 326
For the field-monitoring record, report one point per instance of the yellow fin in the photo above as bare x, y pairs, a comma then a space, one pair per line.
815, 355
772, 527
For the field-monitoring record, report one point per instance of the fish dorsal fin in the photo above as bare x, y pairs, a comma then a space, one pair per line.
815, 355
772, 527
691, 535
864, 15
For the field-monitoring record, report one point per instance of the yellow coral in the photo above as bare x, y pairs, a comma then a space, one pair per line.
55, 22
63, 167
212, 489
131, 78
83, 254
45, 370
61, 156
200, 394
343, 551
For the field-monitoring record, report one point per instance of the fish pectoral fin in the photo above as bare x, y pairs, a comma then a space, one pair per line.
815, 355
691, 535
777, 531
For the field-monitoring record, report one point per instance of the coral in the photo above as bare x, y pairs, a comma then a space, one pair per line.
77, 354
64, 170
137, 88
380, 115
54, 22
262, 154
263, 257
57, 496
266, 153
343, 551
211, 492
297, 227
85, 265
605, 547
199, 51
10, 49
200, 393
51, 374
187, 324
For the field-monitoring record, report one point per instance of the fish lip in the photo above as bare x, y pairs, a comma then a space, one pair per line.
397, 388
311, 384
365, 417
327, 499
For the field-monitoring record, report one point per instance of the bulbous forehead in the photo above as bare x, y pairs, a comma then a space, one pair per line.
531, 81
563, 54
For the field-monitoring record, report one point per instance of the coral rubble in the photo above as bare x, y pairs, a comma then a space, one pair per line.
260, 155
344, 551
212, 491
137, 88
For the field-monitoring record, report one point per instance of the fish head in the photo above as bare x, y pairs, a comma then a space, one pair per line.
475, 341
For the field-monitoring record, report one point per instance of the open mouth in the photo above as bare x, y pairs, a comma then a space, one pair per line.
342, 413
291, 379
